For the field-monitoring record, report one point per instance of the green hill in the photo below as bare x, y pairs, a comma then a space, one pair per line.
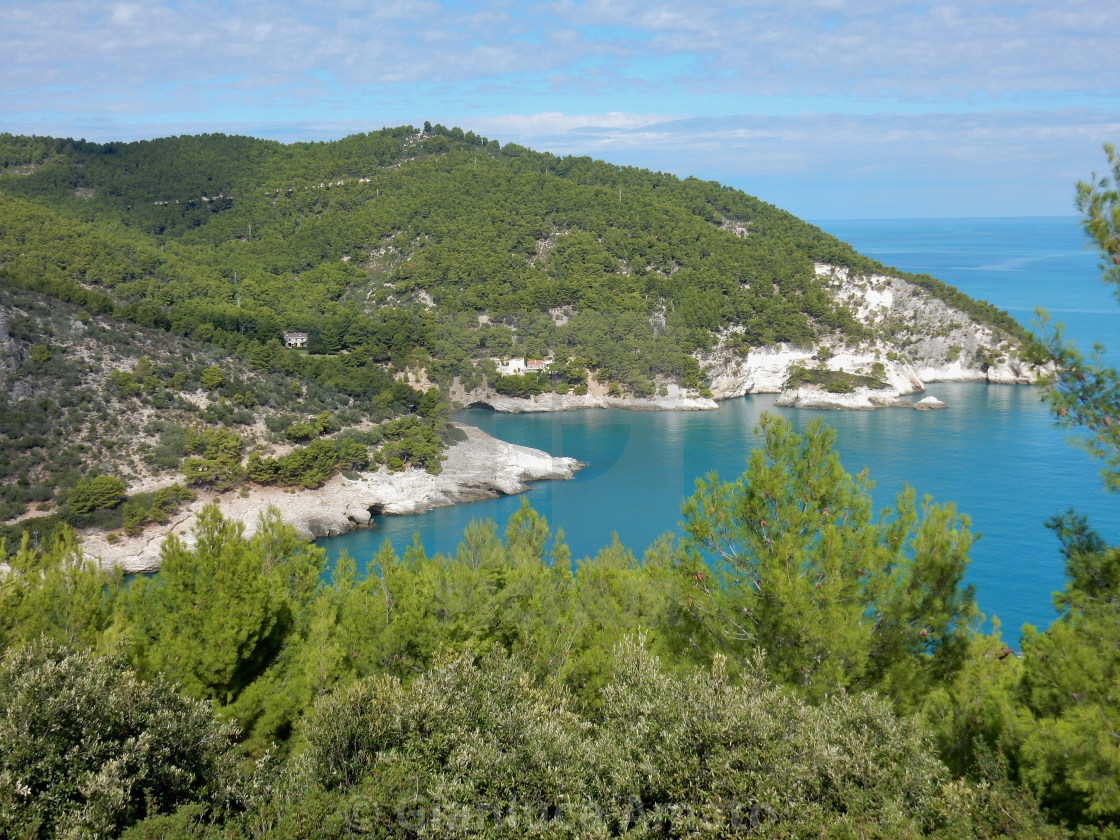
435, 247
393, 250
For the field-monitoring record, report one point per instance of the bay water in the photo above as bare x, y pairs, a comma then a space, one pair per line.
993, 451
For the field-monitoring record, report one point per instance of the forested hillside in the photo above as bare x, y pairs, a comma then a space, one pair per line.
431, 247
399, 250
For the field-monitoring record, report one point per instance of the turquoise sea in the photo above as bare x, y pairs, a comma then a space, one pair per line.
993, 452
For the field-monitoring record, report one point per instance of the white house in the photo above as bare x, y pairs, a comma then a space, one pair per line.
295, 339
512, 367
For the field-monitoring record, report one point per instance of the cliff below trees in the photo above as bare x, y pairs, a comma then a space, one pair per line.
910, 337
477, 467
444, 250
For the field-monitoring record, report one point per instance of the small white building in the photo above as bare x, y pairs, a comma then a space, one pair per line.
295, 339
516, 367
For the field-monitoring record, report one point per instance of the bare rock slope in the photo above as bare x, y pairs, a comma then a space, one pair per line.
479, 467
914, 338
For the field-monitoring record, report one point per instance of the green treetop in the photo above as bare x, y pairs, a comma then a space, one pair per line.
789, 559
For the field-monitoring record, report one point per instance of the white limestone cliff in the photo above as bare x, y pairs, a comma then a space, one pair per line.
479, 467
918, 339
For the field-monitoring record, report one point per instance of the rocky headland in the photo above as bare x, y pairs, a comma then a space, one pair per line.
911, 338
478, 467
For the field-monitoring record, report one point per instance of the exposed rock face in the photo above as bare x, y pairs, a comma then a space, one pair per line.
677, 399
1013, 373
763, 371
918, 339
478, 468
813, 396
17, 388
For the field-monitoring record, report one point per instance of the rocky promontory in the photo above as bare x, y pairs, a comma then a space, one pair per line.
859, 399
479, 467
910, 338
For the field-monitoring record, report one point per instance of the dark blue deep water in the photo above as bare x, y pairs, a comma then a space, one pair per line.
993, 452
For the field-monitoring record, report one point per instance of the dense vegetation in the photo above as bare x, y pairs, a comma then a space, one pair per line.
792, 666
789, 665
488, 694
432, 247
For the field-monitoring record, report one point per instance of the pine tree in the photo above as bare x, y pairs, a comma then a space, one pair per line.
1071, 672
218, 612
55, 591
1085, 393
790, 560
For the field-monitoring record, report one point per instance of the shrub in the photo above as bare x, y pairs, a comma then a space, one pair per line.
87, 748
299, 431
212, 378
98, 493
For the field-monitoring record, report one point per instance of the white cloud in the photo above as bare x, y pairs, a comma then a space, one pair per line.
871, 48
553, 122
724, 88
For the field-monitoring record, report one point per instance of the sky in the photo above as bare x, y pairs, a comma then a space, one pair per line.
827, 108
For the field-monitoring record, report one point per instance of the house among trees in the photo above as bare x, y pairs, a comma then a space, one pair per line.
295, 339
510, 367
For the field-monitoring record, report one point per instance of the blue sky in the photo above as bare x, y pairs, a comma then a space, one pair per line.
827, 108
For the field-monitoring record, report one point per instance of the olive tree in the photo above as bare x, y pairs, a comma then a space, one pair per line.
87, 748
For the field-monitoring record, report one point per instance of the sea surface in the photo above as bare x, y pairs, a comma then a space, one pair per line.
993, 452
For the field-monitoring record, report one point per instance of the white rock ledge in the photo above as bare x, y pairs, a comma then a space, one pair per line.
861, 399
814, 396
677, 399
480, 467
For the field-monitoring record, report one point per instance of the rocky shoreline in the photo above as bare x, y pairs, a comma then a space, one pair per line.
676, 398
913, 338
479, 467
766, 371
861, 399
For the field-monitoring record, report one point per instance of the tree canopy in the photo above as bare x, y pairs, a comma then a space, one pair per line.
789, 559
